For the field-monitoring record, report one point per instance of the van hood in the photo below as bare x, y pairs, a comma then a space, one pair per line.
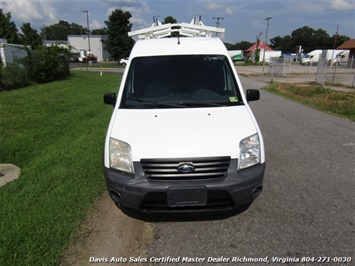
178, 133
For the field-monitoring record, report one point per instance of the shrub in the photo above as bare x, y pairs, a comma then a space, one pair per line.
12, 77
43, 65
47, 64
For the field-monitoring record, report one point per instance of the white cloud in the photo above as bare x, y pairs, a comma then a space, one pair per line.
213, 6
139, 10
29, 10
342, 5
37, 13
229, 11
95, 24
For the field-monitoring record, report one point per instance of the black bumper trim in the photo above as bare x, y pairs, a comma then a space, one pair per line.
137, 192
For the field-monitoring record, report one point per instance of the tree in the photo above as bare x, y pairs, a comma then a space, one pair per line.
242, 45
29, 36
169, 19
276, 43
118, 44
310, 39
172, 20
284, 44
61, 30
102, 31
338, 40
238, 46
8, 28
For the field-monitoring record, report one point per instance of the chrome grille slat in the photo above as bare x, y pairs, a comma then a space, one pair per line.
205, 168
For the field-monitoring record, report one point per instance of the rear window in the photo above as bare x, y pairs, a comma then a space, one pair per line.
180, 81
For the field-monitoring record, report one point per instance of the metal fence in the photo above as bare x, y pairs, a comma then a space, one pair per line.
322, 73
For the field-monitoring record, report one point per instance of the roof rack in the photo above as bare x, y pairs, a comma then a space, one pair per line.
193, 29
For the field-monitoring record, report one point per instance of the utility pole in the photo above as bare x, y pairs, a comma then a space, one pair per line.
218, 23
331, 60
257, 53
87, 25
267, 30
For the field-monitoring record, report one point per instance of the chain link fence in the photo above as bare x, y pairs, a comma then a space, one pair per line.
323, 72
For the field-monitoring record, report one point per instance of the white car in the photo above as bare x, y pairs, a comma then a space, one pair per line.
124, 61
182, 137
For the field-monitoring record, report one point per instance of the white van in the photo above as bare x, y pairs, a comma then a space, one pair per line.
182, 137
312, 58
341, 59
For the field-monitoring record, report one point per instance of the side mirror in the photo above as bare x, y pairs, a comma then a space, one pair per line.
110, 98
253, 95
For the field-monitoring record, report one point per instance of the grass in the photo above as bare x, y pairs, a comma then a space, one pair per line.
321, 98
55, 133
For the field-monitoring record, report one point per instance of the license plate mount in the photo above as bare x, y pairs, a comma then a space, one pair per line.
187, 197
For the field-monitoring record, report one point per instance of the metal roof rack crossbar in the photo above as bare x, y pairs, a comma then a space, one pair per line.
192, 29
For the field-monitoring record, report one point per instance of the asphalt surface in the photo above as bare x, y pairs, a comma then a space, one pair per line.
307, 208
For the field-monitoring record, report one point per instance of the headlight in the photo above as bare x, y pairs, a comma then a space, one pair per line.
249, 151
120, 156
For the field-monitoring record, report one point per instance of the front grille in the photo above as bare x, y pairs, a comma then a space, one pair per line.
204, 168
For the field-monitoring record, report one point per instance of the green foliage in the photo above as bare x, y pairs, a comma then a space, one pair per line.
55, 133
47, 64
102, 31
169, 19
12, 77
238, 46
118, 44
309, 38
60, 30
172, 20
8, 28
39, 66
29, 36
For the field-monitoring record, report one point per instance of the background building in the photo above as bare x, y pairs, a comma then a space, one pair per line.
80, 42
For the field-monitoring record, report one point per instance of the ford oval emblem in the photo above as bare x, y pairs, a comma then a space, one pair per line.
186, 168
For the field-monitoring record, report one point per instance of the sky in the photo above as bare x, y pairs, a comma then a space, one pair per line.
243, 20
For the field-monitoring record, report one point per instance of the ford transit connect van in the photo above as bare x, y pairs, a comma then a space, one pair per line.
182, 137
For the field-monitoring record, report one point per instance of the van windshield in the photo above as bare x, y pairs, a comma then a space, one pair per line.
180, 81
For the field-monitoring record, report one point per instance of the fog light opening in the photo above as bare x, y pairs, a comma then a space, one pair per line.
117, 198
256, 192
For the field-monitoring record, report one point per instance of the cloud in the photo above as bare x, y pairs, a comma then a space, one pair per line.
213, 6
138, 10
95, 24
342, 5
29, 11
36, 13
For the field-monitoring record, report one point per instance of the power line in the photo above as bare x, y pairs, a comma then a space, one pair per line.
218, 23
218, 18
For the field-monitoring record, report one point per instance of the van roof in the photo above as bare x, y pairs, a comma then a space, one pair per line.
178, 46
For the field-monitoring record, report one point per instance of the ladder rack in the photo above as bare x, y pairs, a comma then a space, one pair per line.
192, 29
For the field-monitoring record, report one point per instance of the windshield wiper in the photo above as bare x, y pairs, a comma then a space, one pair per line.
156, 104
200, 103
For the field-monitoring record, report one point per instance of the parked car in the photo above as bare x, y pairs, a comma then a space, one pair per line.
124, 61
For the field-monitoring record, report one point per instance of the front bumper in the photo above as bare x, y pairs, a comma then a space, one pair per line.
235, 189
